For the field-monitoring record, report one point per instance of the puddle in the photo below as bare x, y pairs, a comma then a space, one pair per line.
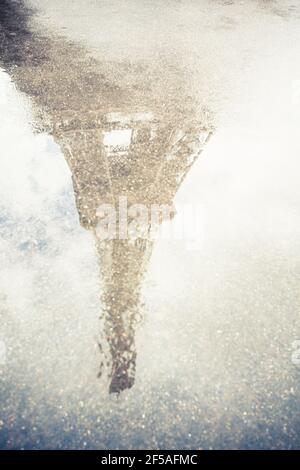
134, 340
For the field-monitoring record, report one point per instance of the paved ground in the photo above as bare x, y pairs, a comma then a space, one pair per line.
174, 102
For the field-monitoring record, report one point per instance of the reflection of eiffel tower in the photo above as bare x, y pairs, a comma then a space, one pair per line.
112, 149
136, 156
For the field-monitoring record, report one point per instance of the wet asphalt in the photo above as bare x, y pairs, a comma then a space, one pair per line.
149, 343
